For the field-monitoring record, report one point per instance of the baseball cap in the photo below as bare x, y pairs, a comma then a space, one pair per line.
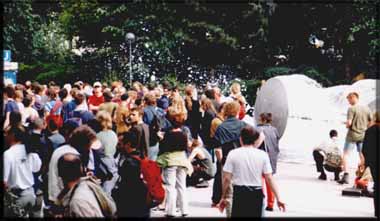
97, 84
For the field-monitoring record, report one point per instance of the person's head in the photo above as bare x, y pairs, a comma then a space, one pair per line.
15, 119
81, 139
107, 96
217, 92
266, 118
70, 168
105, 120
235, 88
28, 100
14, 135
52, 125
248, 135
178, 104
150, 99
177, 118
38, 124
207, 105
132, 94
9, 92
166, 88
19, 96
210, 94
97, 87
333, 133
353, 98
79, 98
151, 86
137, 86
38, 89
136, 115
52, 94
129, 141
95, 125
63, 94
231, 109
28, 84
68, 127
124, 97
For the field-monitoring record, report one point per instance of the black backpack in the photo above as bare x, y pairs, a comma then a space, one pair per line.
158, 123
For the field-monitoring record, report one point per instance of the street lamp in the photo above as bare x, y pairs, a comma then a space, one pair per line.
130, 37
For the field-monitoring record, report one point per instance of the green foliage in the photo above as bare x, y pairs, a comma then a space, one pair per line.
172, 37
321, 78
274, 71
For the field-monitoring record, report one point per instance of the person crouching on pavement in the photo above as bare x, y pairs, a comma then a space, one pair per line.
363, 176
244, 167
201, 160
328, 156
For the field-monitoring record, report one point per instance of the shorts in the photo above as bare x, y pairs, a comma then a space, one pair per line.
348, 145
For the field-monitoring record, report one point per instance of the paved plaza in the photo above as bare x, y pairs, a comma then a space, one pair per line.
303, 193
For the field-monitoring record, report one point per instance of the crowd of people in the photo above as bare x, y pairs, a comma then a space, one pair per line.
103, 150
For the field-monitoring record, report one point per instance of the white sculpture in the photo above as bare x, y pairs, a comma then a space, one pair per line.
304, 112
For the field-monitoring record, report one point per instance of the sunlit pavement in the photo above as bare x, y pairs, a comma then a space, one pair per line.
303, 193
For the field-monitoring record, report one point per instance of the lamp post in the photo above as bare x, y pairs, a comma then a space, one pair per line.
130, 37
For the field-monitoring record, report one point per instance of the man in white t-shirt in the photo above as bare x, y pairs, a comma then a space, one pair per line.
244, 167
18, 169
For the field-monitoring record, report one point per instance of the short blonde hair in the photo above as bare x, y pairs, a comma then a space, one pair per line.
19, 94
105, 120
235, 88
231, 109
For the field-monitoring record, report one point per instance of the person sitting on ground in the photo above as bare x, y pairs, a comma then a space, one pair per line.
204, 169
363, 176
327, 155
82, 196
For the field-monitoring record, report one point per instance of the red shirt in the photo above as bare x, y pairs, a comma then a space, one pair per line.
96, 101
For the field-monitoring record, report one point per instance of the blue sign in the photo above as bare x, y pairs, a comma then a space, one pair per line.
7, 55
10, 77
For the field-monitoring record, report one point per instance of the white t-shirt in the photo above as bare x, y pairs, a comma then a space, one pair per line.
20, 166
247, 165
55, 182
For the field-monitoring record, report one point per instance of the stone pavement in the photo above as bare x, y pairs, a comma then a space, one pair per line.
303, 193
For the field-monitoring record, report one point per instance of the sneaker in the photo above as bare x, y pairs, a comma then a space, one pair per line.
203, 184
269, 209
344, 179
322, 177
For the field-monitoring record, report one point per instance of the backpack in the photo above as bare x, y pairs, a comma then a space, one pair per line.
158, 123
151, 175
56, 118
333, 158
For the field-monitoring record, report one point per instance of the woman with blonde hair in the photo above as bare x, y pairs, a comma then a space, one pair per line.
107, 137
172, 158
236, 95
178, 105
